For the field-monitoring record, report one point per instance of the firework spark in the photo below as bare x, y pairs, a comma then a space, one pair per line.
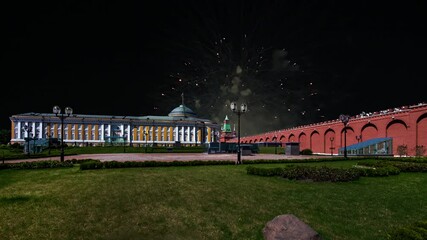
221, 66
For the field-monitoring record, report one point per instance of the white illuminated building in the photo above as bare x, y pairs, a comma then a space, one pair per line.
180, 126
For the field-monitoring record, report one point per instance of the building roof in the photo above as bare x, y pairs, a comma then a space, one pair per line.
366, 143
182, 111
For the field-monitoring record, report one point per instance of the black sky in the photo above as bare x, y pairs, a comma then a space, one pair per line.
118, 58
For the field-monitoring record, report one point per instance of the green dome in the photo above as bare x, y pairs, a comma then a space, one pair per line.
182, 111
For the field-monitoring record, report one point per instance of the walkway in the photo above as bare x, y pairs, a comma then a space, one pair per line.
173, 157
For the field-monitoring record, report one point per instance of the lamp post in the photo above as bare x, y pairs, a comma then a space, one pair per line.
153, 134
203, 134
344, 119
275, 144
124, 142
243, 109
132, 130
62, 116
218, 135
146, 136
28, 129
195, 132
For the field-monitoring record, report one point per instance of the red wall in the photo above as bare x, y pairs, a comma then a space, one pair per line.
407, 125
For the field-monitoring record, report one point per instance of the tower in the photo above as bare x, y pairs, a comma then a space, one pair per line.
226, 132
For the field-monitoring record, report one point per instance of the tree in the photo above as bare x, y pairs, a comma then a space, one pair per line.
402, 150
4, 136
420, 150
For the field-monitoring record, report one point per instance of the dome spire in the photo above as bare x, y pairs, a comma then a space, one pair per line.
182, 110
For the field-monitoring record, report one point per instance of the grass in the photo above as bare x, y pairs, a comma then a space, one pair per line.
204, 202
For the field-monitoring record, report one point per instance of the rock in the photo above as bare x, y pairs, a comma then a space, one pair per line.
288, 227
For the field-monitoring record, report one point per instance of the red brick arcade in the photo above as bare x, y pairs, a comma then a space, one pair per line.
406, 125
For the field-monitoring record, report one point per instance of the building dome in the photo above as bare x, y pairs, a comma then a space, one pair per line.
182, 111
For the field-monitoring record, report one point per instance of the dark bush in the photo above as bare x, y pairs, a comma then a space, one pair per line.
36, 165
402, 166
91, 165
80, 161
306, 151
264, 171
410, 167
16, 146
320, 174
316, 174
382, 171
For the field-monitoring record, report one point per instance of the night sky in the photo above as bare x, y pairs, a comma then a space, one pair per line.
292, 62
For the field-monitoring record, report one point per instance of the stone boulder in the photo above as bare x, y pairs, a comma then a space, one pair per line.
288, 227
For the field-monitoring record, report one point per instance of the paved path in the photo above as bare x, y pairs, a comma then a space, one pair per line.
173, 157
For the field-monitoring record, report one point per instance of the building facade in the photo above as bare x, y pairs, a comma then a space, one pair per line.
181, 126
406, 126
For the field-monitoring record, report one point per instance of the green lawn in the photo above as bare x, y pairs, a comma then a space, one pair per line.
199, 202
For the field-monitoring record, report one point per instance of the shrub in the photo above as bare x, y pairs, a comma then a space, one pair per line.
420, 150
321, 174
36, 165
264, 171
80, 161
306, 151
316, 174
402, 150
378, 171
91, 165
16, 146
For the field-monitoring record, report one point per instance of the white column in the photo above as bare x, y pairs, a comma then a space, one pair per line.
122, 128
102, 132
41, 129
188, 134
26, 132
33, 129
178, 135
182, 134
129, 133
194, 134
19, 130
109, 130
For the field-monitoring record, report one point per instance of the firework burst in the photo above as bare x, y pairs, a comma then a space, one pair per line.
222, 65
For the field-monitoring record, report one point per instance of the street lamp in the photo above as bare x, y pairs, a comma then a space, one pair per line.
28, 129
243, 109
275, 144
195, 132
332, 146
218, 135
344, 119
124, 142
62, 116
146, 136
153, 133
